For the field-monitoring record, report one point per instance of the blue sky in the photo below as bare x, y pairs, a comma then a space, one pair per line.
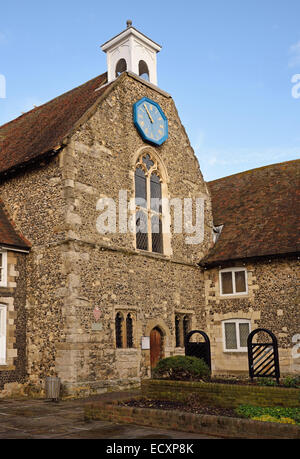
227, 63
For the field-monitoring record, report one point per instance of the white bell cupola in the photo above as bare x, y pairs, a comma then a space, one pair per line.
131, 51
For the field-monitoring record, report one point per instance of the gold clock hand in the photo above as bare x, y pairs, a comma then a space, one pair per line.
151, 119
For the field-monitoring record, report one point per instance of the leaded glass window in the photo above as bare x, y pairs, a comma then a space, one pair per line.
177, 331
235, 334
119, 330
129, 330
148, 199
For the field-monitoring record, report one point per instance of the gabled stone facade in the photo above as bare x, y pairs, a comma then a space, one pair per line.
71, 286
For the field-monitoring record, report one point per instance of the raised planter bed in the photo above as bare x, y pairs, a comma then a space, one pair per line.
211, 425
223, 395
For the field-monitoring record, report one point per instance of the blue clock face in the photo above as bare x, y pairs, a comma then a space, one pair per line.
150, 121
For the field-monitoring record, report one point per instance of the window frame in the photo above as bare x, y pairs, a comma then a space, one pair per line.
3, 334
237, 322
124, 339
180, 331
234, 292
3, 269
148, 210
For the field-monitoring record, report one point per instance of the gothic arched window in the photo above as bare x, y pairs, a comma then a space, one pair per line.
124, 329
129, 330
182, 328
144, 71
121, 67
119, 329
148, 201
177, 331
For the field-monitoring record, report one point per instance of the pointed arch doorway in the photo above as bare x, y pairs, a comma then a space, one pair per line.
156, 346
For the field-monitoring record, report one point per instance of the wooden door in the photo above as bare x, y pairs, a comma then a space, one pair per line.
155, 347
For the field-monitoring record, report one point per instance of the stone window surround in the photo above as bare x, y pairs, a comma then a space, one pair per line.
124, 313
8, 303
234, 294
237, 322
3, 337
3, 268
137, 160
181, 316
215, 327
11, 352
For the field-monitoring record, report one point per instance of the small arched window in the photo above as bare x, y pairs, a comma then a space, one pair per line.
129, 330
124, 322
144, 71
186, 326
121, 67
148, 201
119, 330
177, 331
182, 328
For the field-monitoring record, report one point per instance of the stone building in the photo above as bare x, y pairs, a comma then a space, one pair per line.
252, 272
106, 268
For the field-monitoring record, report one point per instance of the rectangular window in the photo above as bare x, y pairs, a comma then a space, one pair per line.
235, 335
233, 281
2, 334
3, 269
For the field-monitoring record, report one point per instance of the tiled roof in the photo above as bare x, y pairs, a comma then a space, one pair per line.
43, 129
260, 213
9, 236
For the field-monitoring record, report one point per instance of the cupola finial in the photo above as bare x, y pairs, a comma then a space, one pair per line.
133, 52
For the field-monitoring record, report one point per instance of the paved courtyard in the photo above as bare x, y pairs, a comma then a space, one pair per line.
42, 419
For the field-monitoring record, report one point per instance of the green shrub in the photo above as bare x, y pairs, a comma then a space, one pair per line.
277, 412
266, 382
291, 381
182, 368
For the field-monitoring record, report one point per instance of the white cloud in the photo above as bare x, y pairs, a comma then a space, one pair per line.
294, 52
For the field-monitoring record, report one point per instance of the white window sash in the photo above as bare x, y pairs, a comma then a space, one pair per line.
3, 268
237, 322
233, 271
3, 314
